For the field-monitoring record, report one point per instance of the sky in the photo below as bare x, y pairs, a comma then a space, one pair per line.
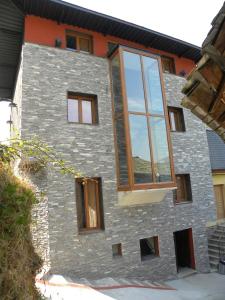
188, 20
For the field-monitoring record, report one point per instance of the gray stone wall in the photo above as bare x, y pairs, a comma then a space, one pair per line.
48, 74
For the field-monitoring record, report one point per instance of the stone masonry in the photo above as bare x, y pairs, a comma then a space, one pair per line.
47, 75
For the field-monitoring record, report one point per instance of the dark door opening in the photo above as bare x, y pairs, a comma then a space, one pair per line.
184, 249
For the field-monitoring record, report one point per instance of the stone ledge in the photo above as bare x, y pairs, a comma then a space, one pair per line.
138, 197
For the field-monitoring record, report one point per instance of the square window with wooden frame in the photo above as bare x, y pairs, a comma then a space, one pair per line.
79, 41
183, 192
176, 119
89, 204
82, 108
117, 250
149, 247
168, 64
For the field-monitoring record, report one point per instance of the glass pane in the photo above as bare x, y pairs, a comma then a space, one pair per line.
86, 112
73, 110
140, 149
116, 85
134, 84
172, 121
119, 122
160, 149
71, 42
92, 204
153, 85
84, 44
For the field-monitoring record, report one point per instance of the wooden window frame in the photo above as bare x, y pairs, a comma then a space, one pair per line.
80, 98
100, 222
156, 248
171, 59
131, 186
187, 190
79, 35
180, 119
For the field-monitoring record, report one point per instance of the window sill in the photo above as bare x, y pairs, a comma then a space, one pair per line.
177, 131
78, 123
140, 197
184, 202
89, 231
149, 258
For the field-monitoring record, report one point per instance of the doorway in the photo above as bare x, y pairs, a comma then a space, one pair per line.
219, 197
184, 249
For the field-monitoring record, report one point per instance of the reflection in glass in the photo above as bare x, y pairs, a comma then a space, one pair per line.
134, 84
73, 110
116, 85
160, 149
140, 149
86, 112
119, 122
153, 85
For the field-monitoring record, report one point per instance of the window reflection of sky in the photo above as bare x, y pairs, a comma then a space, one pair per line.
139, 137
154, 92
134, 85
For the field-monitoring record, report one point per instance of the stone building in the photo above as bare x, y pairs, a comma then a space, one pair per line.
106, 94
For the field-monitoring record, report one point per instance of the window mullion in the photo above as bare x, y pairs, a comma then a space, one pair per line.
148, 122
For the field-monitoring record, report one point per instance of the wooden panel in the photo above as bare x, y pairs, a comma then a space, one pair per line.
219, 197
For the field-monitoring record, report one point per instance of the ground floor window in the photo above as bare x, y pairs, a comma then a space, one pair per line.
149, 247
89, 204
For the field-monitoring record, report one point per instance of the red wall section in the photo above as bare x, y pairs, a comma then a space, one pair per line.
44, 32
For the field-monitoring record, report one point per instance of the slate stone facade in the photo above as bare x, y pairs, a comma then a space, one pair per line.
48, 74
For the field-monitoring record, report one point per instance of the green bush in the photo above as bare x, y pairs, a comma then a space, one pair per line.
18, 261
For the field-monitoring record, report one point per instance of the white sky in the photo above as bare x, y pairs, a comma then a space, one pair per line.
188, 20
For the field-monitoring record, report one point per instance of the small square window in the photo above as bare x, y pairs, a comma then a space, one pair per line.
89, 204
82, 109
168, 64
78, 41
176, 119
117, 250
149, 247
183, 192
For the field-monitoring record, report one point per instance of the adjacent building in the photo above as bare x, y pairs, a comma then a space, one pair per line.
217, 159
106, 94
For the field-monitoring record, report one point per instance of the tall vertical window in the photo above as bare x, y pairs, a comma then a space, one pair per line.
144, 158
176, 119
89, 204
183, 192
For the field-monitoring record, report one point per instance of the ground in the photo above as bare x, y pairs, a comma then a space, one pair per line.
195, 287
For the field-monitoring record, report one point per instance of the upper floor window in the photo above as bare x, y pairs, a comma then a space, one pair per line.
144, 158
176, 119
82, 108
168, 64
78, 41
89, 204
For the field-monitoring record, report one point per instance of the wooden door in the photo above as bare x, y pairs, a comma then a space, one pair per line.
219, 197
